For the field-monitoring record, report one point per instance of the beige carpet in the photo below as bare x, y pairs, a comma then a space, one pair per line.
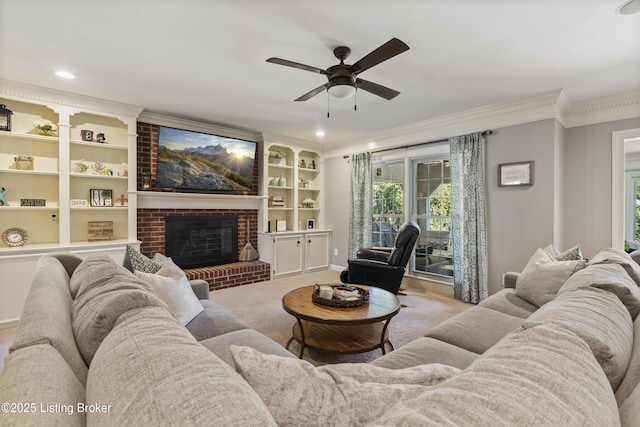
259, 305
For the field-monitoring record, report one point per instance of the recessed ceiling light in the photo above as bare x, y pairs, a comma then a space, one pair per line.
320, 133
629, 7
65, 75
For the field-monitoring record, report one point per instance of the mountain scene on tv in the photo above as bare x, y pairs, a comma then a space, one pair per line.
192, 161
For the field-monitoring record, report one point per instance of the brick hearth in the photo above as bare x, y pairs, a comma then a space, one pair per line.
230, 275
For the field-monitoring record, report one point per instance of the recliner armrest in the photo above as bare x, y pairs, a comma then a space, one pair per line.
200, 288
373, 254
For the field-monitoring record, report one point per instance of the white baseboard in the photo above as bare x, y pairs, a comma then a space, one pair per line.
9, 323
336, 267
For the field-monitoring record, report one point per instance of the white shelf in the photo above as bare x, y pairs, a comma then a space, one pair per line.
277, 187
104, 145
30, 208
30, 136
273, 165
86, 175
29, 172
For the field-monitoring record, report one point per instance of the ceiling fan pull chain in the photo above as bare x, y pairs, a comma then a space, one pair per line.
328, 104
355, 100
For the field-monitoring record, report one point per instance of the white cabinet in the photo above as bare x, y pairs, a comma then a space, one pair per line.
287, 255
316, 251
295, 253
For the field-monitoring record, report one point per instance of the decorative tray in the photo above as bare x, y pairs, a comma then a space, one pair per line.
341, 296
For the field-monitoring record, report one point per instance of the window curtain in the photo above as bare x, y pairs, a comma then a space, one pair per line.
361, 203
468, 218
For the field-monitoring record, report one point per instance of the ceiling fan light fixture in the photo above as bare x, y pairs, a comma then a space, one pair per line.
341, 90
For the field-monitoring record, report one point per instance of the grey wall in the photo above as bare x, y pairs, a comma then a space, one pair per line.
569, 203
520, 219
587, 184
337, 194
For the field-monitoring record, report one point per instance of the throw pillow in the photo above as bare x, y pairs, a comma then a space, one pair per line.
600, 319
540, 280
135, 260
299, 394
568, 255
172, 286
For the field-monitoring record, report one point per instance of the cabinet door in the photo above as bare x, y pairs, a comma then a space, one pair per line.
317, 251
287, 255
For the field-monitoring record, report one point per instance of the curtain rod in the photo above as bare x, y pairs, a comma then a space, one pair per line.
484, 133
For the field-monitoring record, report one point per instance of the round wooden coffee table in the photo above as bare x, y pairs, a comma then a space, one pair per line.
341, 330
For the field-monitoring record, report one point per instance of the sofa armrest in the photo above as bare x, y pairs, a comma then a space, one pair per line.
200, 288
373, 254
509, 279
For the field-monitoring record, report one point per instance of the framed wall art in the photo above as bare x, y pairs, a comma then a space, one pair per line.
101, 198
515, 174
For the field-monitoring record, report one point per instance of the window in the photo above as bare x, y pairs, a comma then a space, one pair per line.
432, 211
388, 198
632, 233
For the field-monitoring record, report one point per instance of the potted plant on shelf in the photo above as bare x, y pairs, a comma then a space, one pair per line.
46, 127
277, 156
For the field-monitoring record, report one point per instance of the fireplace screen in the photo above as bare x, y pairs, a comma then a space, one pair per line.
201, 241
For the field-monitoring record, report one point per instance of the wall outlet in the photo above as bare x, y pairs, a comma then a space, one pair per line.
335, 251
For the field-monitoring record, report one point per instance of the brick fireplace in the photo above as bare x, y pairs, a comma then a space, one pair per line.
151, 232
154, 206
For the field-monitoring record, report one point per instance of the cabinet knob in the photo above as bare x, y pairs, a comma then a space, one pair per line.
309, 240
298, 241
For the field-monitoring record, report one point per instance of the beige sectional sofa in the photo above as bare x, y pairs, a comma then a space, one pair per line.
572, 361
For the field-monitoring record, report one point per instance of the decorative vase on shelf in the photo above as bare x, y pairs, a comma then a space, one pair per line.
281, 181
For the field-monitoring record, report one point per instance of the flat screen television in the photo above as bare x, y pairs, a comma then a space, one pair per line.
198, 162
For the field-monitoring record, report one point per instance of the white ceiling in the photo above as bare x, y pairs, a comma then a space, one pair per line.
205, 60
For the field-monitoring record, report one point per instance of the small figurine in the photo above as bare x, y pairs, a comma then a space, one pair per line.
3, 192
79, 167
122, 199
98, 168
303, 164
312, 165
101, 138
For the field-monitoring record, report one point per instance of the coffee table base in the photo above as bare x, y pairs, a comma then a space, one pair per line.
344, 339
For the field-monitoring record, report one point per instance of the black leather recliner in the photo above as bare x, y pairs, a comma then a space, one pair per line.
383, 269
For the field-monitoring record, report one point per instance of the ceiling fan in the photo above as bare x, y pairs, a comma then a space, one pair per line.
343, 78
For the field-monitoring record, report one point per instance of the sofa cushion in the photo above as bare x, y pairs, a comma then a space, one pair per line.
616, 256
610, 277
541, 278
630, 410
299, 394
172, 286
423, 351
631, 378
46, 315
476, 329
506, 301
107, 291
38, 375
153, 372
94, 271
214, 320
600, 319
544, 376
219, 345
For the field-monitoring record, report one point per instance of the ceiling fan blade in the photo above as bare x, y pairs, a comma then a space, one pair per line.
388, 50
313, 93
296, 65
376, 89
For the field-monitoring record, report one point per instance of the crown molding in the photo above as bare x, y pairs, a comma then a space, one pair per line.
192, 125
547, 105
605, 109
273, 139
52, 98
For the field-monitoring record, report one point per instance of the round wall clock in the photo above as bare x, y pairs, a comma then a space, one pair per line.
15, 237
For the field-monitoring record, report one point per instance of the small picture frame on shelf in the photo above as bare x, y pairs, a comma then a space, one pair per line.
86, 135
100, 231
79, 203
311, 224
101, 198
515, 174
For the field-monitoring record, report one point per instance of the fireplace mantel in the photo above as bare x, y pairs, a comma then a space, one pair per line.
165, 200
